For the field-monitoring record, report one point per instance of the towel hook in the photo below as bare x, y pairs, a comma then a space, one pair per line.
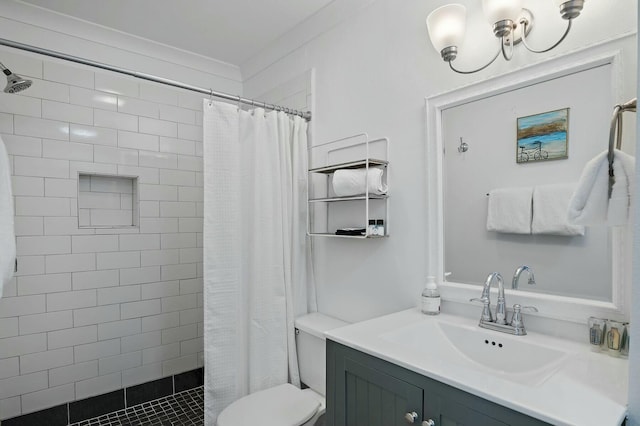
463, 147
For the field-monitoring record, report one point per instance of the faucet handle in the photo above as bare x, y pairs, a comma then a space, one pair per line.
486, 310
516, 320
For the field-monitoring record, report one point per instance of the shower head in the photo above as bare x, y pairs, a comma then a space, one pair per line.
15, 83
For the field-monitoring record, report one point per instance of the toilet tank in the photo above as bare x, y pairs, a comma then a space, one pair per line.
310, 344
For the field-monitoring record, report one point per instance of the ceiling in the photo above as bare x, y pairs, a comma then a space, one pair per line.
228, 30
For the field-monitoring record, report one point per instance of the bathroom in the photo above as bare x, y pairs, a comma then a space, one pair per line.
98, 319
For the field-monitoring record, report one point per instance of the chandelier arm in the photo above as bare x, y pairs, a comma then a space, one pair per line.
478, 69
524, 37
504, 52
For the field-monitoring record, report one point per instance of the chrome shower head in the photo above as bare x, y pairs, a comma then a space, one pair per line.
15, 83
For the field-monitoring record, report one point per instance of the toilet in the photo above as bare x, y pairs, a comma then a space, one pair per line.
286, 405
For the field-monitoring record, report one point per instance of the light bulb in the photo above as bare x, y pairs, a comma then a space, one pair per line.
500, 10
446, 26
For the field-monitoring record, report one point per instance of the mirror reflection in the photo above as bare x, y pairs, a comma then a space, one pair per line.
497, 145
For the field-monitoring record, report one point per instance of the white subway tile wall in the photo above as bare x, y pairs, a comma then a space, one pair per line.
94, 309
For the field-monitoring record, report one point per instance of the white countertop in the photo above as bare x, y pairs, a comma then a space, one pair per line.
588, 388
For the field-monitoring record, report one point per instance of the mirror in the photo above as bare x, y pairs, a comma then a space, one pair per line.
576, 266
587, 272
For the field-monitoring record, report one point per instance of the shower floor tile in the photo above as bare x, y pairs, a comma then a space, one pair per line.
184, 408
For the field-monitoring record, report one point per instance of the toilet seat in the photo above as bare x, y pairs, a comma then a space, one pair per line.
283, 405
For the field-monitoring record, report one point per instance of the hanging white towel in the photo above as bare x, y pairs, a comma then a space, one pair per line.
348, 182
550, 206
620, 209
591, 205
7, 232
509, 210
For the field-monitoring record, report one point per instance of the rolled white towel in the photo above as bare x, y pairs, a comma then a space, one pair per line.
550, 205
349, 182
591, 205
509, 210
7, 231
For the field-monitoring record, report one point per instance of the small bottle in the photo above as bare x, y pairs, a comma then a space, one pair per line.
431, 297
371, 229
380, 227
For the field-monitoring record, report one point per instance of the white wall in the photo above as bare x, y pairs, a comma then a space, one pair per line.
95, 310
372, 73
634, 354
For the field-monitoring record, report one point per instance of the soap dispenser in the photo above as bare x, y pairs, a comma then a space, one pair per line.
430, 297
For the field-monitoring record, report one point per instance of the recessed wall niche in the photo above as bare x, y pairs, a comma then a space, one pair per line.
106, 201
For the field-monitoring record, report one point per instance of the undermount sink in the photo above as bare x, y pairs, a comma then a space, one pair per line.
514, 358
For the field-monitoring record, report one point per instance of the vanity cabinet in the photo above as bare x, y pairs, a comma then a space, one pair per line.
363, 390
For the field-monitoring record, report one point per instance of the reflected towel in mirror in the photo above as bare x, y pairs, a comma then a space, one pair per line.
550, 205
591, 205
348, 182
509, 210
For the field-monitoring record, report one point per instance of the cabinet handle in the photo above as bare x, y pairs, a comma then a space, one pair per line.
411, 417
428, 423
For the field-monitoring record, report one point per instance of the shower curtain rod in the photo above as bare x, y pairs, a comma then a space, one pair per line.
149, 77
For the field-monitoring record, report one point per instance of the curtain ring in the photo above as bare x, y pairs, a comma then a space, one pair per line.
239, 103
210, 96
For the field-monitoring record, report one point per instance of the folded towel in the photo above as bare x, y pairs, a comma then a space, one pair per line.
348, 182
7, 232
550, 206
591, 205
509, 210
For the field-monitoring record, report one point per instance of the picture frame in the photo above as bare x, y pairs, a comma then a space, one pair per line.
543, 137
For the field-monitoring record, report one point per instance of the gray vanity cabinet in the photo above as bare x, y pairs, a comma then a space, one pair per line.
363, 390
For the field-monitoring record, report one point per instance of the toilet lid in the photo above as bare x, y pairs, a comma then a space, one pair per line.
283, 405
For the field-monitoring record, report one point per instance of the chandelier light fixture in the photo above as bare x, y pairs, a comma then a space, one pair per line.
511, 25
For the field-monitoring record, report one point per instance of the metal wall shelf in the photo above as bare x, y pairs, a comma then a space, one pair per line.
365, 199
354, 198
360, 164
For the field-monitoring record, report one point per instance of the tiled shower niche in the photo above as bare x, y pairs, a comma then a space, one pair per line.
106, 201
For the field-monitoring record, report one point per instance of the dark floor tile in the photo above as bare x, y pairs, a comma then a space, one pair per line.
149, 391
96, 406
189, 380
54, 416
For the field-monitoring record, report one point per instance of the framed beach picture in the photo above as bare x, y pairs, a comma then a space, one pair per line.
543, 137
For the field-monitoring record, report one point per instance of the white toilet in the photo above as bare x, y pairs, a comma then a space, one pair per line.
286, 405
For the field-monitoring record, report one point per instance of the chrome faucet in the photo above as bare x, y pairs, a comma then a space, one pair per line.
516, 326
501, 317
518, 272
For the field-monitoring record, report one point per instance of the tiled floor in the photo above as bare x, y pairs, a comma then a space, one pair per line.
184, 408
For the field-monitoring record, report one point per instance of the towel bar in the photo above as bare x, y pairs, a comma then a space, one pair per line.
615, 134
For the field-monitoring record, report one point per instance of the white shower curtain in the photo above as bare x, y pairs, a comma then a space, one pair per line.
255, 250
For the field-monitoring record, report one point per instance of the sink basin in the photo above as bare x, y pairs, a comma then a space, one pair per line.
514, 358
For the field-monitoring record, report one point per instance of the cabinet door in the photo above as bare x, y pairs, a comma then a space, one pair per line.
374, 398
449, 412
448, 406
